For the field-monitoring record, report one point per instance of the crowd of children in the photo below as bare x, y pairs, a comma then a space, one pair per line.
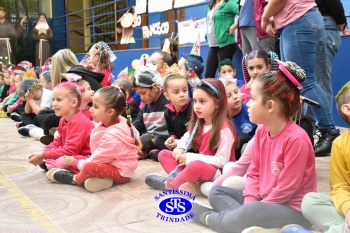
234, 141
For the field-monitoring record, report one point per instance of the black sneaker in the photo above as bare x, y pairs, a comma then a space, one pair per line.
324, 144
15, 116
43, 166
46, 139
156, 181
154, 154
200, 212
64, 176
9, 114
24, 131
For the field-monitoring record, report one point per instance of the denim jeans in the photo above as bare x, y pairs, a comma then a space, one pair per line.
327, 49
298, 43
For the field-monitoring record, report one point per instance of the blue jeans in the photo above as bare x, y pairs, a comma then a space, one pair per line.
298, 43
327, 50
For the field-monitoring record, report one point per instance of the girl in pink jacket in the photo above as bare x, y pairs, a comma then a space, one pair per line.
113, 144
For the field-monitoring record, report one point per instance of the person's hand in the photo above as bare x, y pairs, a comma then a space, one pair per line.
177, 152
36, 158
68, 160
347, 221
346, 32
10, 108
341, 27
29, 95
169, 141
23, 20
42, 31
240, 46
6, 99
231, 30
268, 25
181, 159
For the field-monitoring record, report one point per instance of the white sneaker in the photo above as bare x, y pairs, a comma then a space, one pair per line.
96, 184
49, 174
261, 230
36, 132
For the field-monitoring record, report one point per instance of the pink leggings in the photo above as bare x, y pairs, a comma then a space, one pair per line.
101, 171
195, 171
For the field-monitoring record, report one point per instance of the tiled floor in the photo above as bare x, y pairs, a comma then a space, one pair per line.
31, 203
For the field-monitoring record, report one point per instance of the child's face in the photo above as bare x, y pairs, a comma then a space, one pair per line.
38, 93
93, 57
257, 110
17, 81
227, 71
204, 106
157, 59
12, 79
87, 94
7, 79
256, 67
98, 110
148, 94
2, 80
234, 98
46, 84
63, 102
177, 93
182, 66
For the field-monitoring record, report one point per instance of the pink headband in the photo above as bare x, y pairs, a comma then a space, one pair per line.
286, 72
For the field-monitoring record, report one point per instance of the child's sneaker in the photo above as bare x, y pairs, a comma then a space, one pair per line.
156, 181
46, 139
96, 184
154, 154
19, 124
49, 173
206, 187
293, 228
36, 132
24, 131
261, 230
43, 166
15, 116
64, 176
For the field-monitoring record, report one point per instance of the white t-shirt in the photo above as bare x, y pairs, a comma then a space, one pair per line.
46, 99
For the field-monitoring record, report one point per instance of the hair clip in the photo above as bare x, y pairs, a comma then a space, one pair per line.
273, 55
80, 89
196, 82
72, 77
228, 79
286, 72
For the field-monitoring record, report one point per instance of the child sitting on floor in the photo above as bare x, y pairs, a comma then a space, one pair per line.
73, 131
151, 122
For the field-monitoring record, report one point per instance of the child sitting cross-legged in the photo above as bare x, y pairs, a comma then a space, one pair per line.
73, 131
151, 121
210, 133
113, 146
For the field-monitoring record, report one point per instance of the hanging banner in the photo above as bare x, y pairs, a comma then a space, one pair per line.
183, 3
188, 28
165, 5
140, 6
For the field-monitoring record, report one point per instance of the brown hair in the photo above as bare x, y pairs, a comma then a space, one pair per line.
172, 77
115, 98
276, 86
221, 116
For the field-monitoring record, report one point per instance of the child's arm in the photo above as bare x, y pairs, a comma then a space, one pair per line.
138, 123
339, 176
31, 106
36, 158
240, 167
7, 98
75, 140
223, 153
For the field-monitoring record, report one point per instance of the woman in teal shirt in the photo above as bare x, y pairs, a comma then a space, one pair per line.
220, 33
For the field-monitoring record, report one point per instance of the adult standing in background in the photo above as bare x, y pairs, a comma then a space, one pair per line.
253, 37
6, 31
42, 34
299, 23
334, 22
221, 25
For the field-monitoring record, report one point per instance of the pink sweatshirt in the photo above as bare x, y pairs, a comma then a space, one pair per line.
114, 146
73, 139
283, 167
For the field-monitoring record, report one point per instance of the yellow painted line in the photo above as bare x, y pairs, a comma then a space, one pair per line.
37, 216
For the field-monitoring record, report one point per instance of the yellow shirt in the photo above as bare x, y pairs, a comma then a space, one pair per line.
340, 173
